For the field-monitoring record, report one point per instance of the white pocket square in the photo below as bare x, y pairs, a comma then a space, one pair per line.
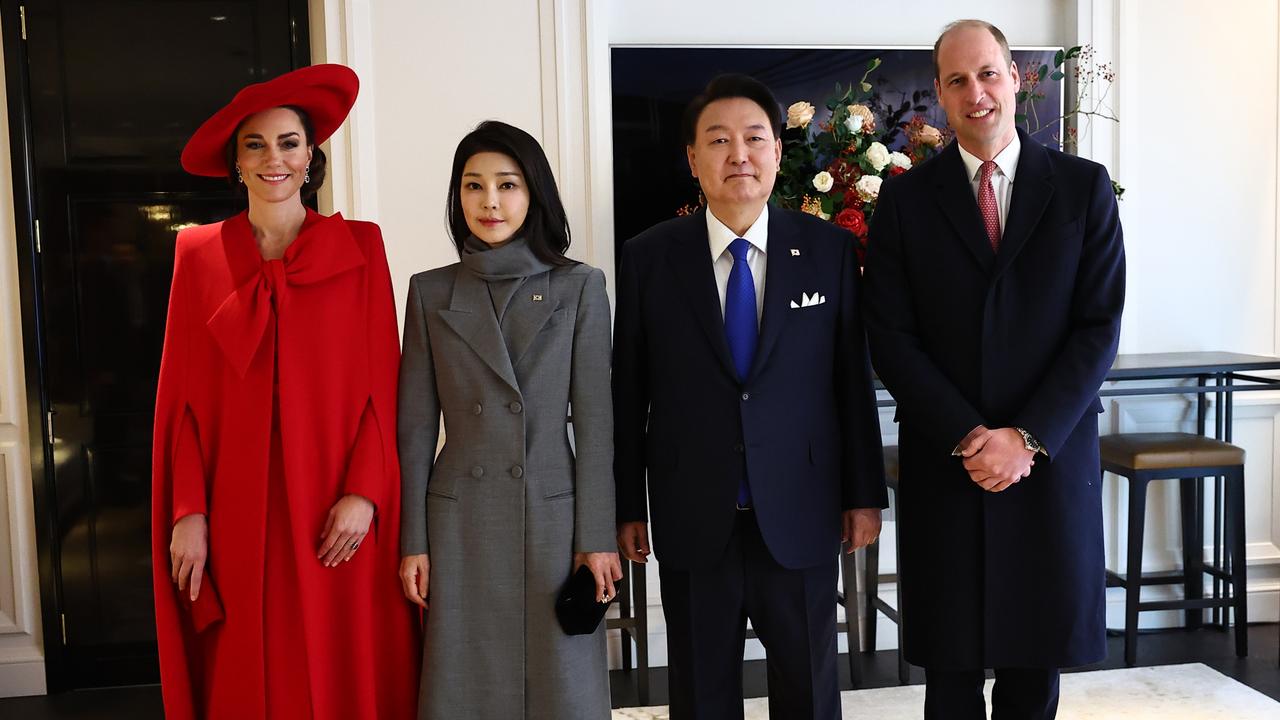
807, 300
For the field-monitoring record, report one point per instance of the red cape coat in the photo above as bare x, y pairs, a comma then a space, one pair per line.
334, 339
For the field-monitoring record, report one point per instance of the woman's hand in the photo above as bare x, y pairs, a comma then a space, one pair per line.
344, 530
415, 578
607, 569
188, 551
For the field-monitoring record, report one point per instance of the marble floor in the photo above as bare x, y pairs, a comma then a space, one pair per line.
1210, 648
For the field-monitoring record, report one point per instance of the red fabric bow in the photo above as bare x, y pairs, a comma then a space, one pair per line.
324, 248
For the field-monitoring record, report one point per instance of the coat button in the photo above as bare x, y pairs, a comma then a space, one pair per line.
737, 447
517, 472
516, 407
477, 409
477, 472
746, 396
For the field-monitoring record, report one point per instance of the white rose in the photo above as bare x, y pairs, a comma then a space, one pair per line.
823, 181
854, 123
868, 186
878, 156
799, 115
898, 159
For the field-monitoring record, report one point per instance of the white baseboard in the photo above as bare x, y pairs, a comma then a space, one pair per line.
18, 679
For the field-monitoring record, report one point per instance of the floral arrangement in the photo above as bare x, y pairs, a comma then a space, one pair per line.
833, 169
1093, 81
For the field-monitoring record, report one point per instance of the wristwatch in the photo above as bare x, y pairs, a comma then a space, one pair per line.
1030, 442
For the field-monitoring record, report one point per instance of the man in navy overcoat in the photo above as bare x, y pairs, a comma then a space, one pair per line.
994, 286
742, 395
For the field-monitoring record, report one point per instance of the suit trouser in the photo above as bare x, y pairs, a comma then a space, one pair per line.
792, 611
1018, 694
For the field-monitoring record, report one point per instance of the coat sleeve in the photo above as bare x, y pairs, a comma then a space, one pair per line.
1071, 384
862, 457
630, 392
594, 529
923, 392
178, 486
419, 424
372, 467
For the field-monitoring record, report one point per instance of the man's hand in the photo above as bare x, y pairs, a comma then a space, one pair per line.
633, 541
1003, 460
861, 527
980, 437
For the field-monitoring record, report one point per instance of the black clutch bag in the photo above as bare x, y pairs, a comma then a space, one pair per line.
577, 609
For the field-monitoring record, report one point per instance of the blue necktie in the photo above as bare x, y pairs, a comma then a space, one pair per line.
740, 327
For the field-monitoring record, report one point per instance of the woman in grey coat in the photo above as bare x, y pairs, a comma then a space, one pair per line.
506, 343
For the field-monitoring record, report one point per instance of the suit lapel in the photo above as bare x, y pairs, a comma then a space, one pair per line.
1032, 189
470, 314
527, 313
955, 195
781, 283
690, 260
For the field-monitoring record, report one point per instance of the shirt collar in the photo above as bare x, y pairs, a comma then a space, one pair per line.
1006, 160
719, 235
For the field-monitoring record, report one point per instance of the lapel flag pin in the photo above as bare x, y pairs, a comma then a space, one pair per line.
795, 252
537, 298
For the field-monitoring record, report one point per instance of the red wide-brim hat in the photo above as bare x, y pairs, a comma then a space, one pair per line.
326, 92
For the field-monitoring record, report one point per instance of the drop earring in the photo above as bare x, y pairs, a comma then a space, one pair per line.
239, 177
306, 176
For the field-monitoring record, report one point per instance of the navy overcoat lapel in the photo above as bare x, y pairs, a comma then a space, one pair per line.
955, 195
1032, 190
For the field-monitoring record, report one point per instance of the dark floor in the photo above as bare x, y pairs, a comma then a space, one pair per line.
1261, 671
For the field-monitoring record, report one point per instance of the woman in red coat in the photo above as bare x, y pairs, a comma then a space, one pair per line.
275, 502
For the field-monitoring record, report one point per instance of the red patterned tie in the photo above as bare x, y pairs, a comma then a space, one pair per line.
987, 204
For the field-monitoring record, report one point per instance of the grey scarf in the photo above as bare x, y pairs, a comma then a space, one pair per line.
511, 261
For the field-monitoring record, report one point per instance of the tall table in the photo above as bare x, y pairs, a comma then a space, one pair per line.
1220, 374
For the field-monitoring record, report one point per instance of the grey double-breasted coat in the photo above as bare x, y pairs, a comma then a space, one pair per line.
508, 501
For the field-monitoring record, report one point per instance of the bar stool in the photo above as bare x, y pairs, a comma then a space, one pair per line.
873, 577
1143, 457
633, 622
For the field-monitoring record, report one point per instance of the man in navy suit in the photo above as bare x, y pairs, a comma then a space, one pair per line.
995, 282
742, 393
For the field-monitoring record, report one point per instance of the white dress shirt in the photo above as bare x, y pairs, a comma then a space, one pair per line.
757, 236
1001, 179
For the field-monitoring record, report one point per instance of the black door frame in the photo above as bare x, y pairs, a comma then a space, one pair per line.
30, 292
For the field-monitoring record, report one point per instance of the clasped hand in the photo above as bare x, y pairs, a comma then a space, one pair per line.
997, 459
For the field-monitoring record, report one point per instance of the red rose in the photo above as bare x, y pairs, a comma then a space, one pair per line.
853, 220
896, 170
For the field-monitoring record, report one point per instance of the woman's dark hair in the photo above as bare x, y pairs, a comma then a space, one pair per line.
546, 225
315, 169
727, 86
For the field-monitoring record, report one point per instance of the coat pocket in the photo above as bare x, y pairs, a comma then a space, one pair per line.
444, 488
